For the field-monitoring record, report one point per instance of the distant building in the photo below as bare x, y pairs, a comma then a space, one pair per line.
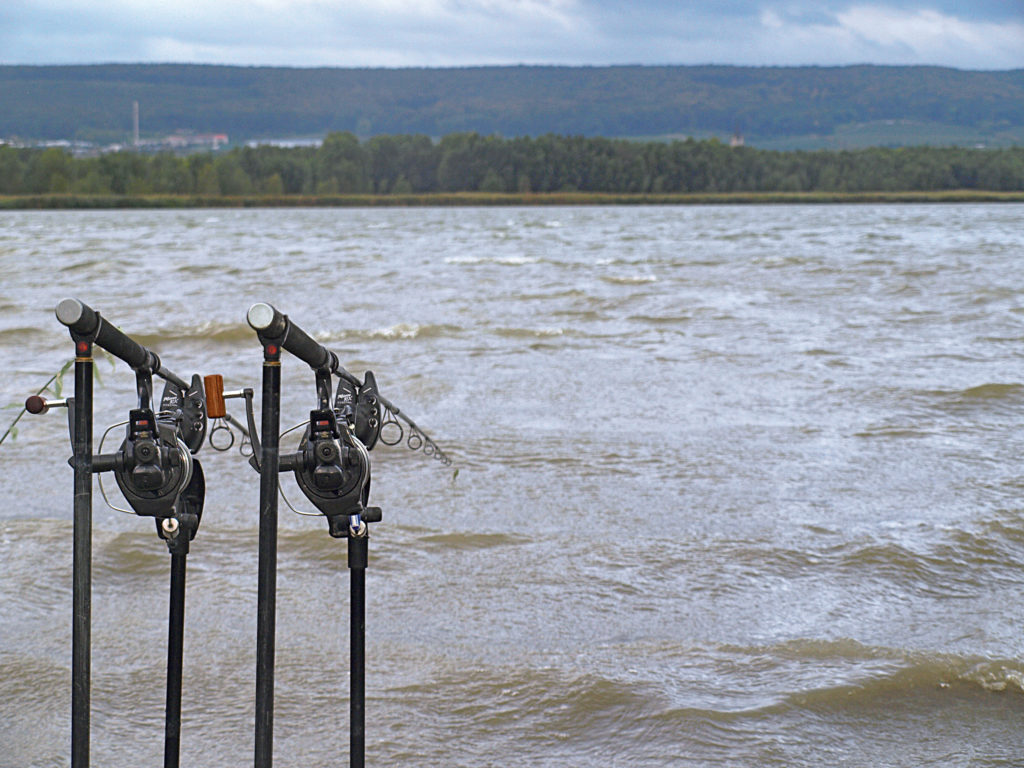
736, 140
181, 142
185, 140
291, 143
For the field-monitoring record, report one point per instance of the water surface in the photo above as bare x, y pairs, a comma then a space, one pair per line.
736, 486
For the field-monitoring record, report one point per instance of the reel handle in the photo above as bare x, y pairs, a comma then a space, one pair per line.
214, 386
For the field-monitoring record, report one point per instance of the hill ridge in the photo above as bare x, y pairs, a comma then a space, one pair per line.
769, 105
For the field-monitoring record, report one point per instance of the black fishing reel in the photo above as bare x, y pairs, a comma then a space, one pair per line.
332, 466
154, 467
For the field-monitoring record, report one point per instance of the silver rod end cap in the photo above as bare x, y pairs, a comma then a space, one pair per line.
70, 311
260, 316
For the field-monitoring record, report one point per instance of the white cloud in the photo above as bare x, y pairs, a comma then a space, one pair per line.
928, 34
467, 32
886, 35
771, 19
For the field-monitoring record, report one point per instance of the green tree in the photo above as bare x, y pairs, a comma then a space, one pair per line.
12, 171
492, 182
49, 171
272, 185
340, 165
120, 168
169, 174
231, 178
401, 186
207, 182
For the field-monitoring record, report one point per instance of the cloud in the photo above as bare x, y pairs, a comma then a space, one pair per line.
886, 35
984, 34
925, 34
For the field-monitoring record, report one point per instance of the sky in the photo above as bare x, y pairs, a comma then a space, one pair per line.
967, 34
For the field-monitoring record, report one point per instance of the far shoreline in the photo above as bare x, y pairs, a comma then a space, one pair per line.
492, 199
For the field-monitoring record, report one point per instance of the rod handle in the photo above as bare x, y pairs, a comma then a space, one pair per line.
214, 385
84, 320
269, 322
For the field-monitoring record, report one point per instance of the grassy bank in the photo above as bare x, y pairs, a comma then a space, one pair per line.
68, 202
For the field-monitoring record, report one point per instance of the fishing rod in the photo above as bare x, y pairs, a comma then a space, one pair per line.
332, 468
417, 437
158, 476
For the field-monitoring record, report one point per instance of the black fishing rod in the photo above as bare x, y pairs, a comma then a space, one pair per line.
417, 437
156, 472
332, 468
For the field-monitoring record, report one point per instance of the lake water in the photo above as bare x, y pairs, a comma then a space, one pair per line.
736, 486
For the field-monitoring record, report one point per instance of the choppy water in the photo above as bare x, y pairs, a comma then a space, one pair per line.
737, 486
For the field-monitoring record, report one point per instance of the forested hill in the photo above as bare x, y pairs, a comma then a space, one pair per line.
780, 107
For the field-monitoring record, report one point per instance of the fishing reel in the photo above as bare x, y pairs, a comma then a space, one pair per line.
332, 465
154, 466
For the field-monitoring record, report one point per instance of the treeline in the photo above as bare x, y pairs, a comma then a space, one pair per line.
469, 162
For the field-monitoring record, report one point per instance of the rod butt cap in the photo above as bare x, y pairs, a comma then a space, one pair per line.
70, 311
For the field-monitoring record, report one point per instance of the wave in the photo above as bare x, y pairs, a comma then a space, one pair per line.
888, 432
529, 333
398, 332
985, 399
918, 408
509, 261
213, 271
660, 320
20, 333
224, 333
571, 705
234, 333
565, 293
844, 674
920, 676
927, 561
131, 555
98, 264
469, 541
516, 261
29, 680
629, 279
992, 392
979, 395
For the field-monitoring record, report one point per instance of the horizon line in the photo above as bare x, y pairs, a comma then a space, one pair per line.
521, 65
